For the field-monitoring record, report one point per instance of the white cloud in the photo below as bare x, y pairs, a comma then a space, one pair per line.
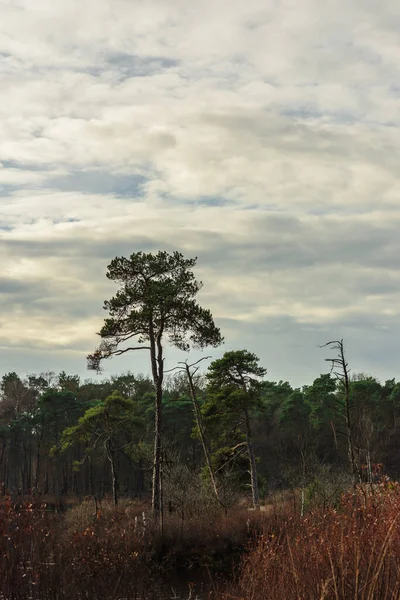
261, 136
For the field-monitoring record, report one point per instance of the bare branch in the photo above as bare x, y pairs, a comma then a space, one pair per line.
185, 365
331, 343
177, 368
197, 361
233, 457
123, 350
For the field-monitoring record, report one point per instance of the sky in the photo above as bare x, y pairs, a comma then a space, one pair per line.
260, 136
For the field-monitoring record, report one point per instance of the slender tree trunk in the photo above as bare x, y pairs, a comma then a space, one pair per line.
91, 478
37, 466
349, 424
139, 479
157, 454
342, 374
114, 480
200, 426
3, 449
3, 486
157, 364
29, 476
252, 461
303, 484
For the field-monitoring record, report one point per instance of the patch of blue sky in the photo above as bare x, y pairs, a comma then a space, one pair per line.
264, 206
127, 66
24, 166
99, 182
199, 200
7, 189
68, 220
309, 114
211, 201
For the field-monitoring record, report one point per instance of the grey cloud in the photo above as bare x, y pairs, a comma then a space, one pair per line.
82, 247
37, 297
270, 243
275, 243
12, 287
228, 105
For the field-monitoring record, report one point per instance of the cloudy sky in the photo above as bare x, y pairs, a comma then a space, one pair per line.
261, 136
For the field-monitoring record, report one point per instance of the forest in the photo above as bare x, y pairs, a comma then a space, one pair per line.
207, 439
53, 430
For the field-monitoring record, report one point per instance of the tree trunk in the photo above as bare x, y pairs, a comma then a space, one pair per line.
157, 364
252, 461
199, 422
37, 466
114, 481
342, 375
156, 488
349, 424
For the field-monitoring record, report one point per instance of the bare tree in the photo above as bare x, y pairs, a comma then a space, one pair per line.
340, 369
190, 374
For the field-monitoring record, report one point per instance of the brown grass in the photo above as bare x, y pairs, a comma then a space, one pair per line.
112, 554
349, 553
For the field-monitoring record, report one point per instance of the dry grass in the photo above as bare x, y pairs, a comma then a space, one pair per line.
349, 553
352, 552
112, 554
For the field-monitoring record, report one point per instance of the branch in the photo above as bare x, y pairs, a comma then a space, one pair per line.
337, 343
230, 459
177, 368
122, 351
195, 363
106, 350
240, 445
185, 365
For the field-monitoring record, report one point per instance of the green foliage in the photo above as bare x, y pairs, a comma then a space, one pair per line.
105, 420
234, 392
156, 299
54, 428
323, 402
234, 386
237, 369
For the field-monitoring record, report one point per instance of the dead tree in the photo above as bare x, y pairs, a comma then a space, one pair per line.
340, 369
184, 366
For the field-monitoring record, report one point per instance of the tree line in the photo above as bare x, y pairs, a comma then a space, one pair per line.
226, 429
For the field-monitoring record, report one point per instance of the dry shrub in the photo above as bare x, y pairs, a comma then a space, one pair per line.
49, 557
211, 539
352, 552
87, 512
113, 554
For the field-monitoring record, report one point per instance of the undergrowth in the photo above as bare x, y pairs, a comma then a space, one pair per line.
112, 554
351, 552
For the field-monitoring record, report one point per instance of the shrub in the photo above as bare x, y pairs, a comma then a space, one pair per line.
351, 552
113, 554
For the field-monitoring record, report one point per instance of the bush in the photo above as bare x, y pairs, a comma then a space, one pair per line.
351, 552
113, 554
43, 559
